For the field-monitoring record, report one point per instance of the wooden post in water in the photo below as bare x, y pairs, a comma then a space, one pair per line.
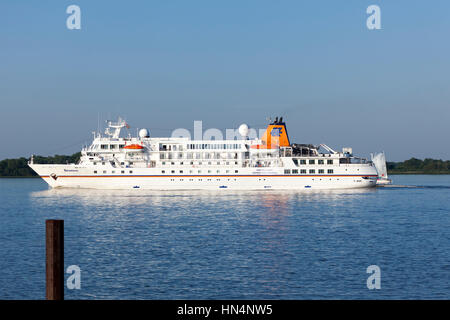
54, 243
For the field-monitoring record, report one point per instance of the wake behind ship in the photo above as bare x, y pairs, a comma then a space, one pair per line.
271, 162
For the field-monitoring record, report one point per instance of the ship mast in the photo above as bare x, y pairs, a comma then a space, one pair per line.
117, 126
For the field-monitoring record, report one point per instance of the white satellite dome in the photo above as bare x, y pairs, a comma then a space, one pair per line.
144, 133
243, 130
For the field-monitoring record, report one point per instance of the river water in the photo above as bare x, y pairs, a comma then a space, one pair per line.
226, 244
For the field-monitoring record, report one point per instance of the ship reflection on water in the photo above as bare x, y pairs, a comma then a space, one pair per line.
276, 200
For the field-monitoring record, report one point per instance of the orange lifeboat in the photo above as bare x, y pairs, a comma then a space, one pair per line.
134, 147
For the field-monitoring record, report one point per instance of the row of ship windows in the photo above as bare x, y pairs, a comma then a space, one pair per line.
224, 146
205, 155
287, 171
198, 171
200, 146
113, 172
179, 163
110, 146
312, 161
304, 171
164, 171
203, 146
199, 163
122, 163
260, 179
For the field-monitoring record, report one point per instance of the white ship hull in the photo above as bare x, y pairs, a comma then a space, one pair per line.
70, 176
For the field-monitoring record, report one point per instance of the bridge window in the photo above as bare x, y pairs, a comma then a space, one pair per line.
302, 161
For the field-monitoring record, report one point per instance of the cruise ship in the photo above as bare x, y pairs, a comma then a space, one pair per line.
270, 162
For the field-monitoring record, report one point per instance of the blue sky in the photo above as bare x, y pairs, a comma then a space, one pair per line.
164, 64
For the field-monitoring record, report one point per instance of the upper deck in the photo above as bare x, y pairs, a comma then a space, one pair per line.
273, 149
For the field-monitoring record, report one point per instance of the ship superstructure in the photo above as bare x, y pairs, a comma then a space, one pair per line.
269, 162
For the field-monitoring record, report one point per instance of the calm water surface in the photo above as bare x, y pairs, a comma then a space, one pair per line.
232, 245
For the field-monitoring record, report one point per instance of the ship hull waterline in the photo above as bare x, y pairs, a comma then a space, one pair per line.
209, 182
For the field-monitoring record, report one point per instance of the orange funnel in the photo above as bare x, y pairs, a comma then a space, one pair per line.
275, 136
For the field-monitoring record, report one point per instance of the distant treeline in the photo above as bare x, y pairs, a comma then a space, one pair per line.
413, 165
19, 167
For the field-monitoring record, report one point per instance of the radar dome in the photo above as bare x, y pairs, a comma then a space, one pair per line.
243, 130
143, 133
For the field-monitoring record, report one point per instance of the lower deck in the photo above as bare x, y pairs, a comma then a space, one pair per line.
212, 182
73, 176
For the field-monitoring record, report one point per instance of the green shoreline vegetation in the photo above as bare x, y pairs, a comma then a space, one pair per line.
18, 168
417, 166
